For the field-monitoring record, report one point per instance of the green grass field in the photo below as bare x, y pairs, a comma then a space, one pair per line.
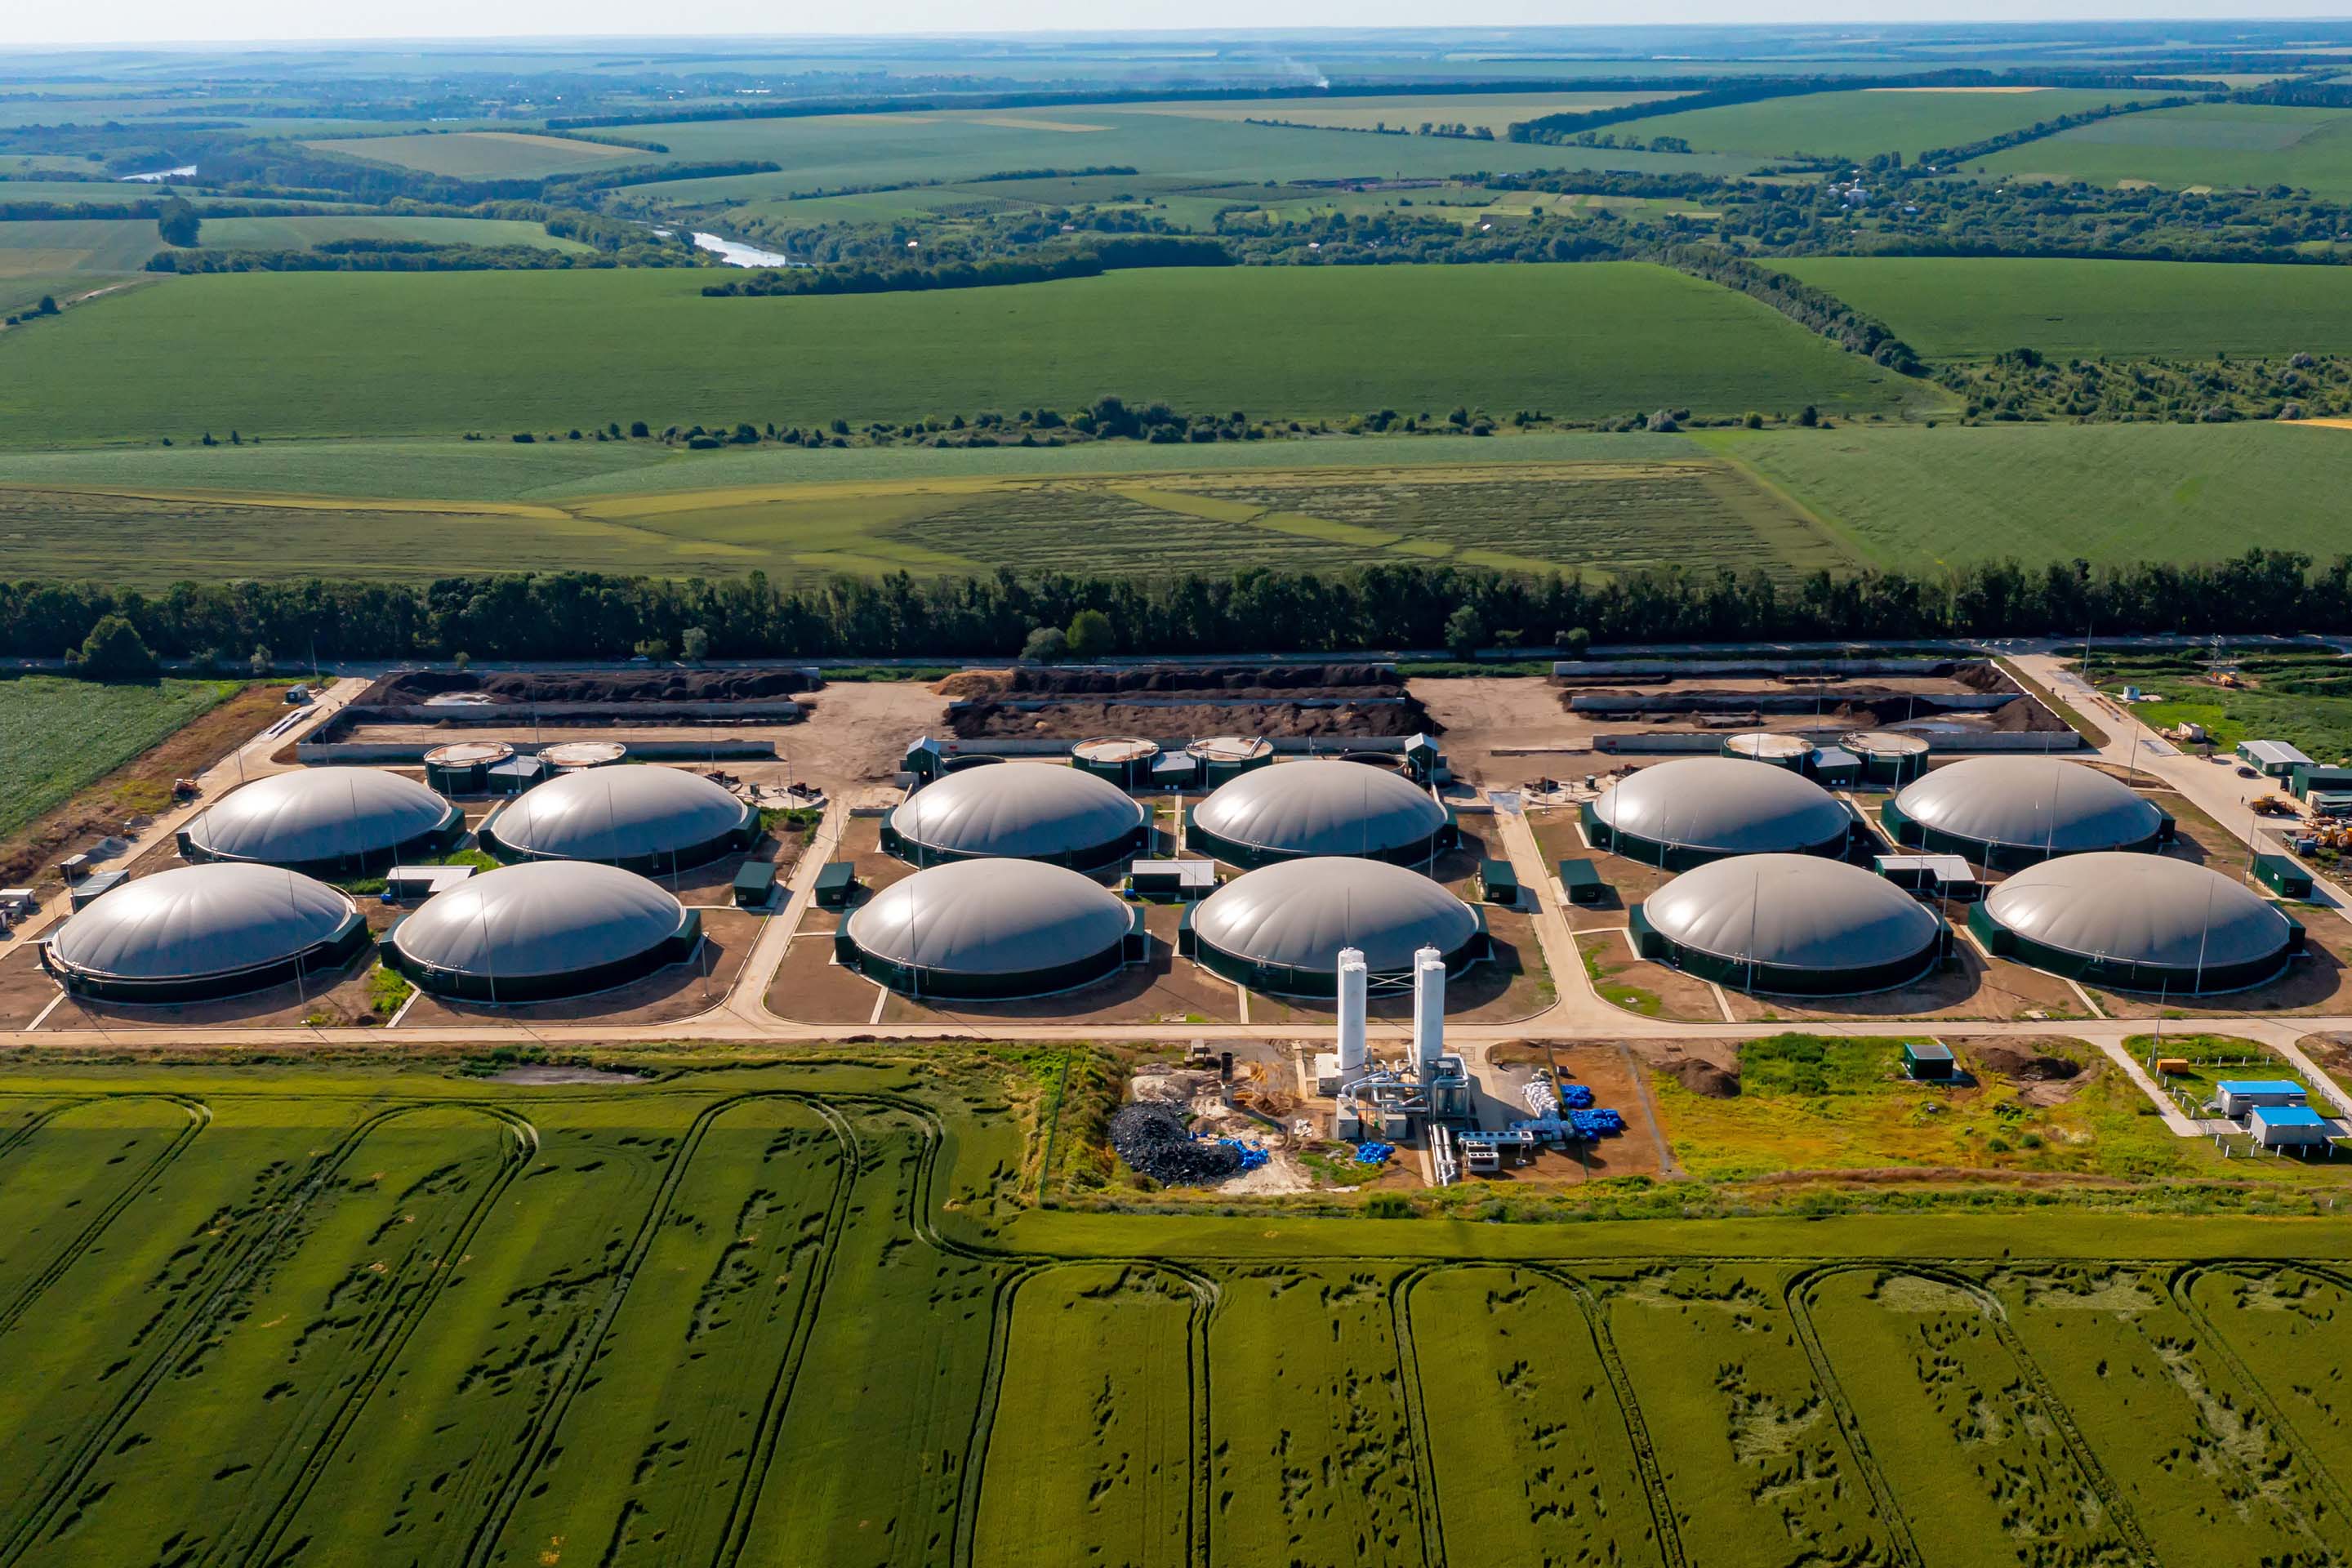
1858, 124
789, 1314
1972, 308
2303, 697
485, 154
64, 735
2215, 144
301, 233
546, 350
1914, 498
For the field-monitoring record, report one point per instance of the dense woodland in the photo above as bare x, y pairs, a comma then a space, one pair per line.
577, 615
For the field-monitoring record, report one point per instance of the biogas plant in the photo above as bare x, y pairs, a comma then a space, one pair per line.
1385, 952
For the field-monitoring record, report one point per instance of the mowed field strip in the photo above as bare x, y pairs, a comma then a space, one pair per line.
1601, 518
540, 351
775, 1316
1976, 307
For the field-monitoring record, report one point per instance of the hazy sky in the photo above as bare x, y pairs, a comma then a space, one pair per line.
220, 21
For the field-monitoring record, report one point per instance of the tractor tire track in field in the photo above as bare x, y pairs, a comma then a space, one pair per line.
41, 1119
737, 1534
983, 1418
2070, 1432
1629, 1408
200, 1116
392, 1326
215, 1295
2182, 1283
534, 1443
1416, 1426
1882, 1495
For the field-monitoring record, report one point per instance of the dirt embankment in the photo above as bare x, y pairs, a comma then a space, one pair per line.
1163, 701
656, 684
139, 788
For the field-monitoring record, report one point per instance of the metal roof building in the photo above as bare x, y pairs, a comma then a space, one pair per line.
1688, 811
2136, 922
324, 821
1322, 807
649, 819
2004, 812
1019, 811
200, 931
980, 928
548, 928
1794, 924
1281, 928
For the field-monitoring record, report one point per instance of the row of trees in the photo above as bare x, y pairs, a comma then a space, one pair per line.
1099, 257
580, 616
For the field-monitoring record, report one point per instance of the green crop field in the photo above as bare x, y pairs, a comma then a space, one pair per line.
2215, 144
546, 350
1914, 498
300, 232
1859, 124
60, 736
1497, 112
1975, 307
785, 1315
485, 154
78, 244
828, 152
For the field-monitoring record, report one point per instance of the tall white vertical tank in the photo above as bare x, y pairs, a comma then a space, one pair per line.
1354, 979
1428, 1010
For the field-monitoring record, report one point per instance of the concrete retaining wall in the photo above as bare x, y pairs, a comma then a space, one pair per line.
1742, 669
380, 753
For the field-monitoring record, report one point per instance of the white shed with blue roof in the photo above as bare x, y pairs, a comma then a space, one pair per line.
2240, 1095
2276, 1125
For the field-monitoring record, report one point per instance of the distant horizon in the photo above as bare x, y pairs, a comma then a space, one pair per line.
260, 24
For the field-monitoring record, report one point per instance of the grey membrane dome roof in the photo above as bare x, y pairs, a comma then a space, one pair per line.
621, 813
2029, 802
1791, 911
1729, 805
2147, 910
1298, 914
192, 922
1017, 810
991, 917
542, 917
1321, 807
318, 814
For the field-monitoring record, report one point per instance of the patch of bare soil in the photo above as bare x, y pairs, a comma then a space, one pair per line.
140, 787
2042, 1070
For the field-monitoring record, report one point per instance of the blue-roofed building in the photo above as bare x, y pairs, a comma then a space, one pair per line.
2276, 1125
2240, 1095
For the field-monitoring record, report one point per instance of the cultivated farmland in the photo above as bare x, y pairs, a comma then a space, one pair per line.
297, 233
1975, 307
782, 1315
59, 736
1859, 124
2109, 493
485, 154
2215, 144
525, 351
1597, 517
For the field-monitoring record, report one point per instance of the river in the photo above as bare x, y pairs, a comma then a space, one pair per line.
184, 171
739, 254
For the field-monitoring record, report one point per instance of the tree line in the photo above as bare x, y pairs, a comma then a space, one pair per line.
577, 615
1100, 257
